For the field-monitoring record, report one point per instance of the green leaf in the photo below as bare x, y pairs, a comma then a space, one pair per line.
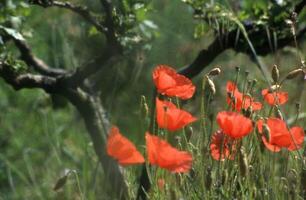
12, 32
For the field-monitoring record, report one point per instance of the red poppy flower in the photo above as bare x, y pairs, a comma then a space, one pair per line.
170, 117
222, 146
121, 149
162, 154
274, 98
172, 84
241, 101
234, 124
280, 136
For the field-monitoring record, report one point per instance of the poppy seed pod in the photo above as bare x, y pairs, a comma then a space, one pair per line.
294, 73
275, 73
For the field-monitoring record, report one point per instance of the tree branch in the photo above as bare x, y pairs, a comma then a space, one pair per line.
206, 56
107, 27
40, 66
299, 7
26, 80
80, 10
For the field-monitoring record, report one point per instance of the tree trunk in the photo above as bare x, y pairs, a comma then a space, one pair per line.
97, 124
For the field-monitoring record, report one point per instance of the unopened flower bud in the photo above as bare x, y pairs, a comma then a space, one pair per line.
273, 88
249, 111
214, 72
279, 114
266, 132
294, 73
237, 69
211, 85
275, 73
243, 163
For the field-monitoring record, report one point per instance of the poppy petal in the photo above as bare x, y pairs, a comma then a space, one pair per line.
234, 124
121, 149
280, 137
297, 134
220, 147
162, 154
241, 101
170, 117
274, 98
169, 82
269, 146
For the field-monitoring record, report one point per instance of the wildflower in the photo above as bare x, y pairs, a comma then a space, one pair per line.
170, 117
234, 124
169, 82
274, 98
162, 154
221, 146
121, 149
279, 135
240, 100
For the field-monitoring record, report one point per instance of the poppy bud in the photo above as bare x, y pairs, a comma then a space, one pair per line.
144, 105
208, 178
294, 73
279, 114
237, 69
214, 72
292, 176
275, 73
248, 111
247, 73
266, 132
298, 106
274, 88
189, 133
211, 85
243, 163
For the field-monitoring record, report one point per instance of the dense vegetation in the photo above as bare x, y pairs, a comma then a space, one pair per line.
72, 69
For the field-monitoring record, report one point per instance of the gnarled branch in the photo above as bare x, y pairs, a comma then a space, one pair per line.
20, 81
38, 65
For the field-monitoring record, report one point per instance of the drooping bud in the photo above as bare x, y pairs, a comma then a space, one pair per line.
297, 106
294, 73
266, 132
249, 111
214, 72
279, 114
237, 69
144, 106
273, 88
275, 73
243, 163
211, 85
